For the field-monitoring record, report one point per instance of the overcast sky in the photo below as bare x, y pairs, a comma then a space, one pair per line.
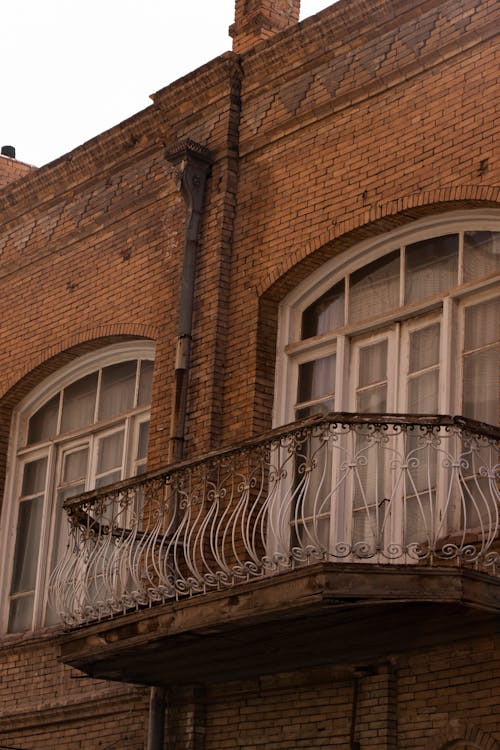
73, 68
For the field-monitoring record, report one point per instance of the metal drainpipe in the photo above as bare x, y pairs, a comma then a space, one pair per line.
353, 742
358, 674
191, 164
156, 723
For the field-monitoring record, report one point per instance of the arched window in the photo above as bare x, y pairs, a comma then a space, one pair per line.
404, 323
84, 427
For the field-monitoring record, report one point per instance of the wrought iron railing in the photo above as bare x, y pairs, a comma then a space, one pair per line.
346, 487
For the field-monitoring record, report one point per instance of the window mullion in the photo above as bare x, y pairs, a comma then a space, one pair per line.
347, 294
137, 380
460, 257
44, 547
402, 276
447, 403
394, 368
128, 449
92, 469
97, 396
59, 413
341, 373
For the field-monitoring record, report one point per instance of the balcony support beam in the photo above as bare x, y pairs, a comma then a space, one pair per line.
265, 626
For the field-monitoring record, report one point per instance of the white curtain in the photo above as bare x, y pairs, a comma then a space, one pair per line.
316, 379
375, 288
117, 389
75, 465
29, 525
481, 254
109, 459
145, 383
79, 403
431, 267
43, 424
481, 383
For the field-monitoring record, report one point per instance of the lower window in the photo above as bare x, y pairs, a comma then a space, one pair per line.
85, 427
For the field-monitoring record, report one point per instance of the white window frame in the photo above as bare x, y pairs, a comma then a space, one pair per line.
18, 453
291, 350
447, 308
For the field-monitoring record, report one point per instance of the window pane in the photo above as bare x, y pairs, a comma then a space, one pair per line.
481, 386
110, 452
431, 267
75, 465
373, 400
29, 524
21, 614
374, 289
34, 477
481, 254
79, 403
67, 492
142, 448
322, 407
43, 424
145, 383
326, 314
111, 478
316, 378
373, 363
423, 393
482, 324
424, 347
117, 389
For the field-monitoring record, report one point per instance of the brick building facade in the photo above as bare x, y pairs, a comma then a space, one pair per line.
306, 229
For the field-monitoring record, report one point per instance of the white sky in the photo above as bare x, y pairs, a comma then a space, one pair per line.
73, 68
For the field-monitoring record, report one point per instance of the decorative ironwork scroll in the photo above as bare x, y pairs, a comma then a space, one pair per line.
346, 487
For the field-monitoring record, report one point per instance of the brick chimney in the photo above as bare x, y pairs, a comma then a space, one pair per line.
256, 20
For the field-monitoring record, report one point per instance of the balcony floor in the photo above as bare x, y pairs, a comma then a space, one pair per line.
325, 613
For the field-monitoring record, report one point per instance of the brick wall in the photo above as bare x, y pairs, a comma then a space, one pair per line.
12, 170
322, 156
348, 125
418, 700
44, 704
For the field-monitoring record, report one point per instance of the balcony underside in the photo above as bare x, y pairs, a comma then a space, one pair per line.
325, 613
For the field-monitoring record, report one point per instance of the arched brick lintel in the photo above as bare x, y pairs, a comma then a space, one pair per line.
371, 221
48, 360
462, 736
363, 224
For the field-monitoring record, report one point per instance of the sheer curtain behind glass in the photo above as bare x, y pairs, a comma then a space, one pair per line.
93, 431
481, 362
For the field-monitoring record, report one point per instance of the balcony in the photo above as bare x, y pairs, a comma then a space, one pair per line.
395, 490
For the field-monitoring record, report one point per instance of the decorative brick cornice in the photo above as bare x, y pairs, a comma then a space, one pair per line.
134, 138
337, 59
345, 25
199, 89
